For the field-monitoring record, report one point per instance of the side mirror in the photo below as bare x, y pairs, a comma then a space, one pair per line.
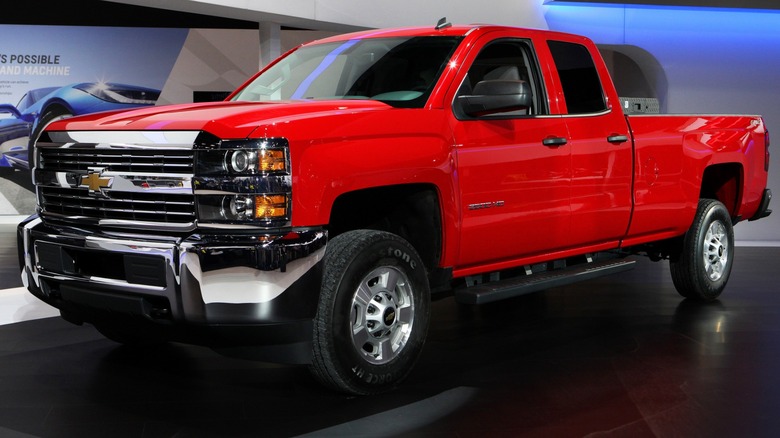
495, 96
8, 108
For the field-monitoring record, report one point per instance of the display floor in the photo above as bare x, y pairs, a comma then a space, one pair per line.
618, 356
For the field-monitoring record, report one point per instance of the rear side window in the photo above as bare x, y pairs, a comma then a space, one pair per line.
579, 78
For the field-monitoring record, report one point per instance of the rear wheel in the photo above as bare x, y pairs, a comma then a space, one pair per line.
373, 313
702, 269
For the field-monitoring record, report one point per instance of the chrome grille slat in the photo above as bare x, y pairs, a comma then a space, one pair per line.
72, 198
105, 204
117, 160
109, 164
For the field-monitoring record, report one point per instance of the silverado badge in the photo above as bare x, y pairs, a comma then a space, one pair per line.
94, 182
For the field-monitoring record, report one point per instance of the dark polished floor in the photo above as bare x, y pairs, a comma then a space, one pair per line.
618, 356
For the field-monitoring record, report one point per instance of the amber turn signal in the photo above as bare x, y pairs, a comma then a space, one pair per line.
270, 206
271, 160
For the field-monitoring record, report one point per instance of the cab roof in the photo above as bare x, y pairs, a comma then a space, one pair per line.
456, 30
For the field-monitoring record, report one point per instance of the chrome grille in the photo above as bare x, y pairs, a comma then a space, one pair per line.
144, 207
120, 179
117, 160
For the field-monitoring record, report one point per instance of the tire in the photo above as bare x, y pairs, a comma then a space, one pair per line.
49, 116
372, 318
703, 266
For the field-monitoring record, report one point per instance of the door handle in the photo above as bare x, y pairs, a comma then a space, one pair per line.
617, 138
554, 141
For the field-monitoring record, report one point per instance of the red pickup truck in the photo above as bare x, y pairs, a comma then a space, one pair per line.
310, 217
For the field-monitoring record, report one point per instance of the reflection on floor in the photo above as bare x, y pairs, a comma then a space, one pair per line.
618, 356
17, 305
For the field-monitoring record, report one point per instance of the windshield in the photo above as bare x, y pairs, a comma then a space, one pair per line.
399, 71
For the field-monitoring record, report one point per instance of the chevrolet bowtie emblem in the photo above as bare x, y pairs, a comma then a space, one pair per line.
94, 182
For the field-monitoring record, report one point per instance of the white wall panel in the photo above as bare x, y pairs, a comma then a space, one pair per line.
212, 60
421, 13
346, 14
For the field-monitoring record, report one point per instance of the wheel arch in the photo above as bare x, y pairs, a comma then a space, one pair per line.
723, 182
54, 105
411, 211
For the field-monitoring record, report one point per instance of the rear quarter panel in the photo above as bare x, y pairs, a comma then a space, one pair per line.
671, 156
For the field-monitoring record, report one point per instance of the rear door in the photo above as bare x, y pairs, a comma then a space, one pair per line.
600, 145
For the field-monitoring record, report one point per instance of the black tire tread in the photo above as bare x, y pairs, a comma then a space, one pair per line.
338, 254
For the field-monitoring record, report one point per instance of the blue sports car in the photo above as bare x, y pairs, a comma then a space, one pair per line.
41, 106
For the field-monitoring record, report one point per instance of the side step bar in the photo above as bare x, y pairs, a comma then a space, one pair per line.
512, 287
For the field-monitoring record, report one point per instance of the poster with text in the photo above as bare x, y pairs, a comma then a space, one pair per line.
50, 72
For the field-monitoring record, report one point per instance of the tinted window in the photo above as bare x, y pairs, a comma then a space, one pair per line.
579, 78
508, 60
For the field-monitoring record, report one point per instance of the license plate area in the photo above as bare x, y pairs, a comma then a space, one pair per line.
147, 270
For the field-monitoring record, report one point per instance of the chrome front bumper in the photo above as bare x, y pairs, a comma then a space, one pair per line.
194, 282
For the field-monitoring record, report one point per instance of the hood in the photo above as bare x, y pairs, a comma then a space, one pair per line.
223, 119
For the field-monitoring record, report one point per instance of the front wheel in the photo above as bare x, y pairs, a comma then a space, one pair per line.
703, 267
373, 314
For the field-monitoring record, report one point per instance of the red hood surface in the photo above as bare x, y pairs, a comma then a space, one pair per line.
223, 119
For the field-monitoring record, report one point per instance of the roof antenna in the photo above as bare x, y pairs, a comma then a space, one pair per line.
443, 23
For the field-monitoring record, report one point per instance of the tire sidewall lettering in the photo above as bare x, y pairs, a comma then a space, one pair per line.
400, 255
371, 378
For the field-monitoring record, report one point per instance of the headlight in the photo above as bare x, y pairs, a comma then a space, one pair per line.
243, 208
252, 157
243, 181
241, 161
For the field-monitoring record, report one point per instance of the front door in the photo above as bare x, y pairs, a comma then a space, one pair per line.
514, 168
